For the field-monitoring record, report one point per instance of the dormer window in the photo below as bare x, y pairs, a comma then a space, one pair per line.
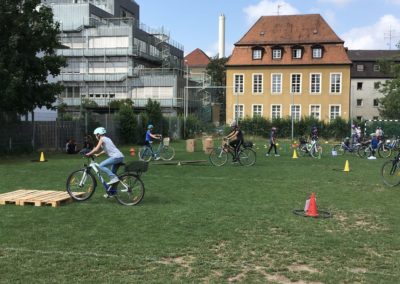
297, 52
257, 53
277, 52
317, 51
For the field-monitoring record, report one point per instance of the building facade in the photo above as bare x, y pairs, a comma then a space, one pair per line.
289, 66
112, 56
366, 79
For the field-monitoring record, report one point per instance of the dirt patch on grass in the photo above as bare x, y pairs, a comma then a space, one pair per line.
301, 268
346, 222
183, 262
358, 270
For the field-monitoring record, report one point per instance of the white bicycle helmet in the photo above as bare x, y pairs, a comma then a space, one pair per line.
99, 131
233, 123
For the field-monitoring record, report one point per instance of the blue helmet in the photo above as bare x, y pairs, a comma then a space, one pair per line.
150, 126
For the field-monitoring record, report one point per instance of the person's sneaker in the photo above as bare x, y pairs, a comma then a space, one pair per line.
267, 155
277, 155
113, 180
110, 193
371, 158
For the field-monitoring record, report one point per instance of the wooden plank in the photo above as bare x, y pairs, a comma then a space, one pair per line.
37, 197
12, 198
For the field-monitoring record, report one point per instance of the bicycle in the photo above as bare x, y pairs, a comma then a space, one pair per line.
345, 146
81, 184
390, 171
311, 148
164, 151
246, 155
384, 151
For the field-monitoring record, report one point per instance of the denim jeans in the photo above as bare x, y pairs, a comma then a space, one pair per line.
108, 162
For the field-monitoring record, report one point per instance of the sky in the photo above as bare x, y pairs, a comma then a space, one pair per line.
362, 24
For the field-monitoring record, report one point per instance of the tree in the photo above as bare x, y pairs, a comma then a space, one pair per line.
216, 69
154, 114
389, 105
127, 122
28, 40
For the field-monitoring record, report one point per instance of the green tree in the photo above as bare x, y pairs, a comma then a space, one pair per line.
127, 122
389, 105
28, 39
154, 114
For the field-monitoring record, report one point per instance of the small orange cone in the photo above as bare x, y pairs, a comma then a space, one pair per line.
312, 210
346, 166
294, 154
132, 151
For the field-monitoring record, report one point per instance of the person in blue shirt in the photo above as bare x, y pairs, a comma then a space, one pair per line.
149, 139
374, 146
272, 142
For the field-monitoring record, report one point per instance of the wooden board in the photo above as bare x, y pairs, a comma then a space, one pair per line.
36, 197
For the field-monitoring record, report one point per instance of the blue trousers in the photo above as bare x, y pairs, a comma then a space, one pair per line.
104, 166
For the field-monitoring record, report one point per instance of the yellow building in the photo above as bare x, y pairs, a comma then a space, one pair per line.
287, 64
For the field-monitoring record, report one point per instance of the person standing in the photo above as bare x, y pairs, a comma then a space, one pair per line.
272, 142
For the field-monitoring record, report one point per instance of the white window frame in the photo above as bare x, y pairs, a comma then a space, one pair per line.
334, 92
360, 67
257, 54
239, 85
296, 117
319, 111
280, 83
261, 84
291, 83
319, 84
272, 111
276, 53
258, 114
240, 112
297, 53
330, 111
317, 52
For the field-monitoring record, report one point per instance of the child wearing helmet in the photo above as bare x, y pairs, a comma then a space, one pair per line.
272, 142
114, 155
149, 139
314, 133
236, 137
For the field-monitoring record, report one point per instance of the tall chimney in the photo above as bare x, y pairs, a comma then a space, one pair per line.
221, 37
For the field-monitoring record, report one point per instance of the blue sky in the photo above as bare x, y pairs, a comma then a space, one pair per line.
362, 24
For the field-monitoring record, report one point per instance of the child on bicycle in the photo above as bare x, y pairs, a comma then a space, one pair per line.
272, 142
236, 137
114, 155
149, 139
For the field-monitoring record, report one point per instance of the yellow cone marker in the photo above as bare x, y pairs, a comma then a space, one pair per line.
346, 166
294, 154
42, 157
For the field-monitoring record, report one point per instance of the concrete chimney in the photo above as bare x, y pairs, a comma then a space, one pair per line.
221, 37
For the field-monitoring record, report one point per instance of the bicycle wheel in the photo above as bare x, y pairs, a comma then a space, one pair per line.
316, 151
384, 152
218, 157
81, 185
145, 154
390, 173
130, 189
247, 157
339, 149
167, 153
302, 150
364, 151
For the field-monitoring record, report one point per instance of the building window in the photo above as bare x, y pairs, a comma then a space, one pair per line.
376, 102
334, 112
257, 110
257, 54
277, 53
257, 83
276, 86
315, 111
359, 118
336, 83
360, 67
359, 102
296, 83
276, 111
296, 53
239, 83
317, 52
238, 112
377, 85
295, 112
359, 85
377, 68
315, 86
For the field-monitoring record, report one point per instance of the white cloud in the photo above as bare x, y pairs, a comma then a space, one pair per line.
397, 2
268, 8
336, 2
375, 36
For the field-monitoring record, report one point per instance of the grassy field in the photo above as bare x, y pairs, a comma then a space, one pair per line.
204, 224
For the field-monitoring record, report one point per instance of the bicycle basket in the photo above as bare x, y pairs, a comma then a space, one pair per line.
248, 144
137, 166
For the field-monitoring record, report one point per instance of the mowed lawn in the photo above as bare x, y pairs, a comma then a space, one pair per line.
204, 224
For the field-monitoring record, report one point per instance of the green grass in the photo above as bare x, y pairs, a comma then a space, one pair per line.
199, 223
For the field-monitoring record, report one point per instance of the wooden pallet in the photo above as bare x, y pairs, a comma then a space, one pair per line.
36, 197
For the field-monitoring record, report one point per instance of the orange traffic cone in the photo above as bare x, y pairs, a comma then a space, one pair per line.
132, 151
312, 210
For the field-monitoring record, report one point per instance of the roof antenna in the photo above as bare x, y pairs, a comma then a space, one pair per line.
279, 7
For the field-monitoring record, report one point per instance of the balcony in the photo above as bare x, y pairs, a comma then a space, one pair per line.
79, 77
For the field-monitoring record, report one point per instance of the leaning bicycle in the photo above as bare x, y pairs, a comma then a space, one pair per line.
246, 156
82, 183
164, 151
310, 148
390, 171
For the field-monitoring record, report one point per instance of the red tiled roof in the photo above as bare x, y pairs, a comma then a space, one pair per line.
286, 32
197, 58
